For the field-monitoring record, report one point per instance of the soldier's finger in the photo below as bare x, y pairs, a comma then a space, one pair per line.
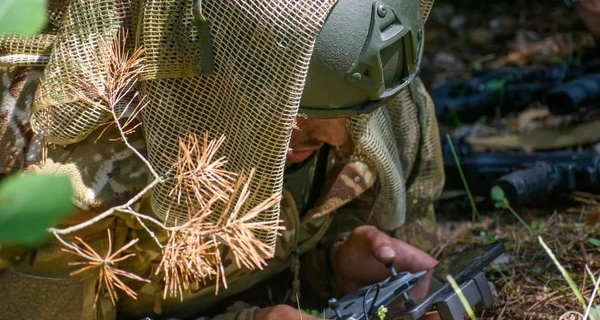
379, 243
410, 258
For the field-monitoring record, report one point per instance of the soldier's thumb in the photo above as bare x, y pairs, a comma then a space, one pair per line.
379, 243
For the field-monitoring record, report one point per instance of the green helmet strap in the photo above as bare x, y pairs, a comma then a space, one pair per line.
304, 181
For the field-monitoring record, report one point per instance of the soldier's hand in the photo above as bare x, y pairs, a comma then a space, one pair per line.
589, 12
361, 259
281, 312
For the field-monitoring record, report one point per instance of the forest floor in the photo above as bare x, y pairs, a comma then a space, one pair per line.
462, 36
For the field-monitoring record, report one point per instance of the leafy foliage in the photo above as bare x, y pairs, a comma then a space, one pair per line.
29, 204
497, 194
22, 17
594, 241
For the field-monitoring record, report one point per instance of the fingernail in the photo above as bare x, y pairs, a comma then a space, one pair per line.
386, 253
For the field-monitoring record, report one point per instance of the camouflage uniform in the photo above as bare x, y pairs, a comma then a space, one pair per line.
36, 283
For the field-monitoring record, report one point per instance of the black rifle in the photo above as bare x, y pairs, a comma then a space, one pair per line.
524, 178
565, 87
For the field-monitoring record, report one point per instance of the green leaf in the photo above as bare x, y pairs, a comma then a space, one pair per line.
29, 204
483, 120
311, 312
495, 85
537, 270
497, 194
23, 17
382, 312
594, 241
538, 225
489, 238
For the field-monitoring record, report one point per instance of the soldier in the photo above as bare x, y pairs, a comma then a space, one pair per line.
320, 98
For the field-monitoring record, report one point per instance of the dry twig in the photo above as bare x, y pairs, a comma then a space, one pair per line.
108, 272
112, 92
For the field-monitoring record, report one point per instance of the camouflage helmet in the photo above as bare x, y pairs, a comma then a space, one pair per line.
365, 53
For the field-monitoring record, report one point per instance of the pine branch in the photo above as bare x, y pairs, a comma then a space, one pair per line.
193, 254
107, 272
199, 178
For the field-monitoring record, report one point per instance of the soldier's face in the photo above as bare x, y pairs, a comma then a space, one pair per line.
310, 135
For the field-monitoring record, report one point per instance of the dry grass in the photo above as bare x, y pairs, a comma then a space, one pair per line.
530, 286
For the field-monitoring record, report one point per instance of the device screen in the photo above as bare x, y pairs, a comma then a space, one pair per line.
464, 263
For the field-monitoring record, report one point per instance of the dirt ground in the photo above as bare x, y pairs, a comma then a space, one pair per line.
460, 36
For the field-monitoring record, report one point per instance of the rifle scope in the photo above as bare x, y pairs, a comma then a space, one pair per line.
572, 96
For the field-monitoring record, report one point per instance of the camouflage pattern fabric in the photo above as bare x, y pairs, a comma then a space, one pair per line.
17, 89
105, 174
424, 184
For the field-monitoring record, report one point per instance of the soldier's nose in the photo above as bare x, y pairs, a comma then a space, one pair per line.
333, 131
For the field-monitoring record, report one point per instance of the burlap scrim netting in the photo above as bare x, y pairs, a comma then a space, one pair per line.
399, 139
425, 8
262, 50
261, 53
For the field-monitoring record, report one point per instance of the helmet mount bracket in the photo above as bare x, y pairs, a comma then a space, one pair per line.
369, 72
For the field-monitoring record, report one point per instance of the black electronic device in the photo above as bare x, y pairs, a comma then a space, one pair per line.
399, 293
